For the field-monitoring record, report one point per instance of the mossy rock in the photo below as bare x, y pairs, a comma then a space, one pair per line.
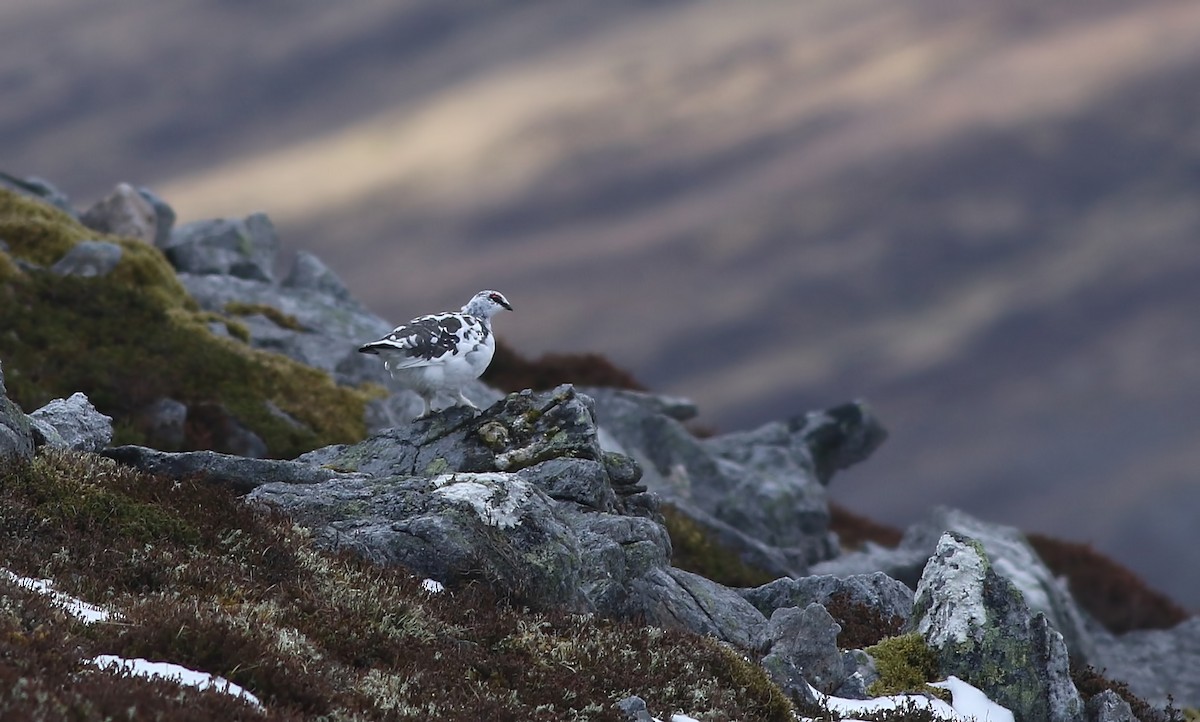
135, 335
694, 550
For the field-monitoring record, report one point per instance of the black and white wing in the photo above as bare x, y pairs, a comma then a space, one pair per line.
429, 340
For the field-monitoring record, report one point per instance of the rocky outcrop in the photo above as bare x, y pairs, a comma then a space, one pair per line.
760, 493
521, 495
1012, 558
982, 631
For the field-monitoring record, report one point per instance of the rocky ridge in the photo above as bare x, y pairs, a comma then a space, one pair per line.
556, 500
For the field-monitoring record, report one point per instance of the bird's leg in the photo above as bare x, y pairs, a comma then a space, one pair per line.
428, 408
465, 401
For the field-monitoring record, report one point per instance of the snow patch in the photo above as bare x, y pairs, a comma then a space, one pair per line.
182, 675
969, 704
81, 610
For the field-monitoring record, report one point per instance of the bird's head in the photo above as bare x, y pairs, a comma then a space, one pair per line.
486, 304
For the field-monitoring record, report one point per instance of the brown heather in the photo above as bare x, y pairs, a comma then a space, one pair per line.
201, 579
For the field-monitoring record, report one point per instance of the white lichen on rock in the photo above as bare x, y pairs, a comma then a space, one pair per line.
959, 607
497, 498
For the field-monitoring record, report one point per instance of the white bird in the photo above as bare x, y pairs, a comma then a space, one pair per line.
442, 352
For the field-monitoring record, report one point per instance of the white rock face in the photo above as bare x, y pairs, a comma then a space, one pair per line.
496, 497
958, 609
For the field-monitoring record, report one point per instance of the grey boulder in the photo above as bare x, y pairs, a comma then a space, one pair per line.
72, 423
804, 651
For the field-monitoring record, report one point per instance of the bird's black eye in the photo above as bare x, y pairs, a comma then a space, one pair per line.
496, 298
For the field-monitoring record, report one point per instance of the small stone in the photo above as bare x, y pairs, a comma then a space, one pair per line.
89, 259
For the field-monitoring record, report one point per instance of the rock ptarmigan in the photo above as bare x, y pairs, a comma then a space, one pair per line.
441, 352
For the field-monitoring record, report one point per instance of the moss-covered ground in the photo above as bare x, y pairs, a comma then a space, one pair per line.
203, 580
134, 336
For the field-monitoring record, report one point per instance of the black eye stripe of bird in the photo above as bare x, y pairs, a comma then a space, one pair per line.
442, 352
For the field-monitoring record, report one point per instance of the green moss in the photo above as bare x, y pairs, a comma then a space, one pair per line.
905, 664
773, 703
84, 494
277, 317
693, 550
134, 336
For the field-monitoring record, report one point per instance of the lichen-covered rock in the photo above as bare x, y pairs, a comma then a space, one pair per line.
74, 423
53, 322
979, 626
522, 430
1011, 557
583, 481
41, 189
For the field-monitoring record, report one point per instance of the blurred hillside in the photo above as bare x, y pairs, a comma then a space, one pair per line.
981, 218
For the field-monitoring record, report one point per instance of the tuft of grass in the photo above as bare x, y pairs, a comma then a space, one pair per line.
201, 579
134, 336
693, 550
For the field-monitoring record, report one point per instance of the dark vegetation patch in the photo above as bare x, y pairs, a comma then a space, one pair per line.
203, 580
862, 625
694, 550
134, 336
854, 530
1114, 595
509, 371
1091, 682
